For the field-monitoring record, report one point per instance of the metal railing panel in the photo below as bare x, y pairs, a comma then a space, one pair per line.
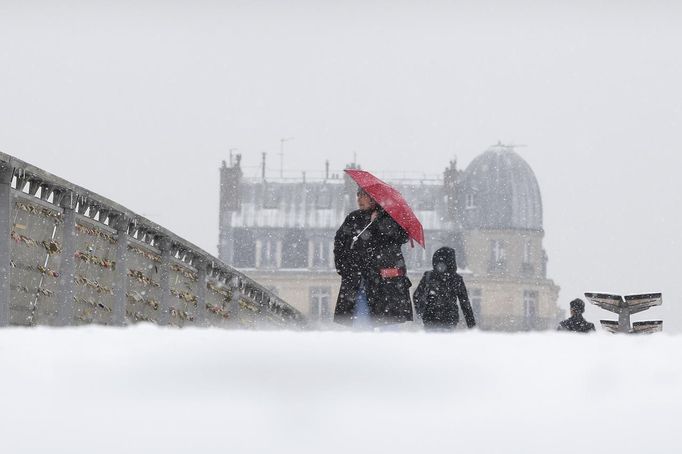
144, 288
94, 275
35, 260
183, 288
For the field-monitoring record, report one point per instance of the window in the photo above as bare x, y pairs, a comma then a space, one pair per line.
266, 251
544, 263
420, 259
427, 202
476, 298
321, 248
320, 299
527, 248
295, 249
323, 198
527, 267
244, 249
530, 309
498, 256
470, 201
271, 196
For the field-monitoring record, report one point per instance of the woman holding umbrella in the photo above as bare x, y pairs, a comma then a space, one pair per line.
368, 256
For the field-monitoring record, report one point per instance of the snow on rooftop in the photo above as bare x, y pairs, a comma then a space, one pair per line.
295, 204
252, 215
146, 389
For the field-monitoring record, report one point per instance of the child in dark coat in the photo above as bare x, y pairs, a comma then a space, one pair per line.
435, 299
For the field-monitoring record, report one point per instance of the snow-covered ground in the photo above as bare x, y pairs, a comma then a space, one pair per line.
147, 389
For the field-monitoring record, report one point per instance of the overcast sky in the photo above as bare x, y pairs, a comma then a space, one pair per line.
140, 102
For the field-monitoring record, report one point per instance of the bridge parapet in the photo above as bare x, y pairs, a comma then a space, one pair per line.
69, 256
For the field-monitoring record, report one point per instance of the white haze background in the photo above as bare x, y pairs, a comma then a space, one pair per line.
140, 101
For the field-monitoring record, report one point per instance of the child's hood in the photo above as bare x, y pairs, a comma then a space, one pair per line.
445, 261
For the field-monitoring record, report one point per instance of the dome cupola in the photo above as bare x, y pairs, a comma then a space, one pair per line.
499, 191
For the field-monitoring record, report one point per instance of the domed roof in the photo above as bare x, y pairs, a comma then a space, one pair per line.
499, 191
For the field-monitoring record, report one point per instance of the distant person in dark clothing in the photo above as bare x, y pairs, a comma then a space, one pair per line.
435, 299
576, 322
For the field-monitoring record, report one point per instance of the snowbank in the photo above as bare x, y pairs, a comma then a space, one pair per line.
146, 389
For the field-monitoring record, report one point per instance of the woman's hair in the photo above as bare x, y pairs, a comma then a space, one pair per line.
362, 192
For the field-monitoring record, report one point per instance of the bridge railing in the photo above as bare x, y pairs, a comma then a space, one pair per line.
69, 256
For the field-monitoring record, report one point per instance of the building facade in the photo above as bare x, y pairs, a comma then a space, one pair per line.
280, 232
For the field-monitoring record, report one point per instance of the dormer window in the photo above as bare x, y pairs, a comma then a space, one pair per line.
427, 203
271, 196
470, 201
323, 198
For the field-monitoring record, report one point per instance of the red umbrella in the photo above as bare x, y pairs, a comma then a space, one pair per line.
391, 201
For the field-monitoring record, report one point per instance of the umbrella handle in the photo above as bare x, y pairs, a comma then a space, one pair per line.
356, 237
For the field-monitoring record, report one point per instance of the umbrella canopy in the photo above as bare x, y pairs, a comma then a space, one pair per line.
391, 201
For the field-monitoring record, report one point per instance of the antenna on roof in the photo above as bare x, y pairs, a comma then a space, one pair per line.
281, 154
263, 166
510, 146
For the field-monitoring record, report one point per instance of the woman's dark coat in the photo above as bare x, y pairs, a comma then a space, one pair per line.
379, 247
435, 299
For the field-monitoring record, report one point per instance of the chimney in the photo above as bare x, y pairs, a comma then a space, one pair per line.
263, 166
230, 201
350, 187
450, 189
230, 179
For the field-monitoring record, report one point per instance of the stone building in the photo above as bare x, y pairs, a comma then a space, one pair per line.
280, 232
